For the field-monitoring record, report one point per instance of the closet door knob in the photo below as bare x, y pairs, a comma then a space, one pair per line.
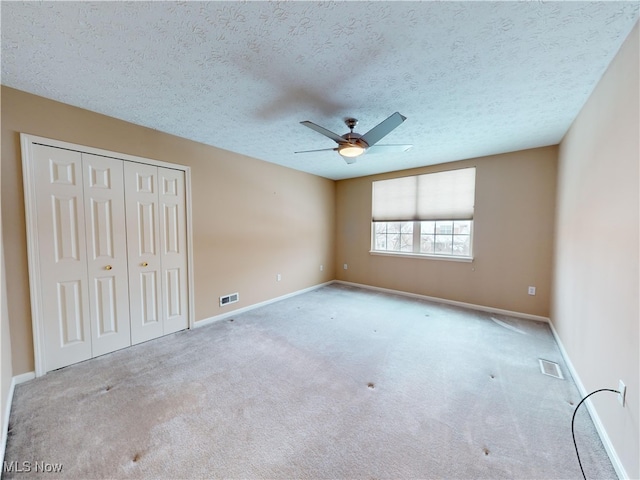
108, 267
144, 264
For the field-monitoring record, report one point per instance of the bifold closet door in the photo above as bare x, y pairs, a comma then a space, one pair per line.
62, 256
157, 240
173, 248
106, 253
83, 259
143, 244
108, 257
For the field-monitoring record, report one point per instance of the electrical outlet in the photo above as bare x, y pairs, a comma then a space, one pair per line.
345, 266
321, 268
622, 392
278, 277
531, 291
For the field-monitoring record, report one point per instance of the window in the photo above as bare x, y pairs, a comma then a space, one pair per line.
394, 236
429, 214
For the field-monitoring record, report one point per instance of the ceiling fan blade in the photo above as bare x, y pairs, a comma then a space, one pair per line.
382, 129
321, 150
327, 133
350, 160
389, 148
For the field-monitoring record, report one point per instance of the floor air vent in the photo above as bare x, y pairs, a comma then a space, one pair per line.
227, 299
550, 368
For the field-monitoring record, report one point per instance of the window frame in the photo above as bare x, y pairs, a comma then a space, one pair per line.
416, 245
444, 197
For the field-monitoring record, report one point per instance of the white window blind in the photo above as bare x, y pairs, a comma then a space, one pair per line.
446, 195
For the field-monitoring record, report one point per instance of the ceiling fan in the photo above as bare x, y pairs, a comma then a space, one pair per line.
351, 145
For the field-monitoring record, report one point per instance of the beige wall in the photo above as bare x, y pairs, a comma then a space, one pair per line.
596, 282
513, 236
251, 219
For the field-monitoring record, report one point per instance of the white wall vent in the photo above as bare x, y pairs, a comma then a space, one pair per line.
550, 368
227, 299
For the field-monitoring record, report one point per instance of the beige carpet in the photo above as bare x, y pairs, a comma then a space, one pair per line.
336, 383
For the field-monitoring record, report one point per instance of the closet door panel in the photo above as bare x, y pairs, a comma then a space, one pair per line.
62, 256
107, 253
107, 243
143, 232
173, 241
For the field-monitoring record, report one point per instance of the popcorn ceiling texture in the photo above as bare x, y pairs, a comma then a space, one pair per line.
473, 78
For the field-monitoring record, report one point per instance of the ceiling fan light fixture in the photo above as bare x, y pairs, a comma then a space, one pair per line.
351, 150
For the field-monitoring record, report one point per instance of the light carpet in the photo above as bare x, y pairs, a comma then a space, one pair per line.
340, 382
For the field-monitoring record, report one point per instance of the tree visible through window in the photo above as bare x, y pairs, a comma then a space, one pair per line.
394, 236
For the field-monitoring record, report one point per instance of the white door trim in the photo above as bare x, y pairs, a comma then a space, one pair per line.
28, 176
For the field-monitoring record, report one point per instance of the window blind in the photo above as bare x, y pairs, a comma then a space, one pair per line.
446, 195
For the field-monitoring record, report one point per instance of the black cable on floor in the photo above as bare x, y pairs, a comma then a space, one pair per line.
574, 417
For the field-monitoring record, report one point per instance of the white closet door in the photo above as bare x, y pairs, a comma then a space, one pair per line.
173, 247
62, 255
143, 245
107, 253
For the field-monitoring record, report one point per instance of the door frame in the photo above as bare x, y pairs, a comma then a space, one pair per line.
28, 177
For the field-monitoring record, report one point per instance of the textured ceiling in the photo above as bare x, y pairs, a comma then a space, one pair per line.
472, 78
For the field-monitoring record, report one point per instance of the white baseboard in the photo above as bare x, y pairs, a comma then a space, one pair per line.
482, 308
17, 380
23, 377
238, 311
604, 437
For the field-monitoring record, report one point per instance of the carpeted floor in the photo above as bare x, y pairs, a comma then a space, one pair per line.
339, 382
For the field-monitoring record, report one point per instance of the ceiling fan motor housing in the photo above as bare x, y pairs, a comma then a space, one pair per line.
355, 138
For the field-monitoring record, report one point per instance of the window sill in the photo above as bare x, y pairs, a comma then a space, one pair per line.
424, 256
